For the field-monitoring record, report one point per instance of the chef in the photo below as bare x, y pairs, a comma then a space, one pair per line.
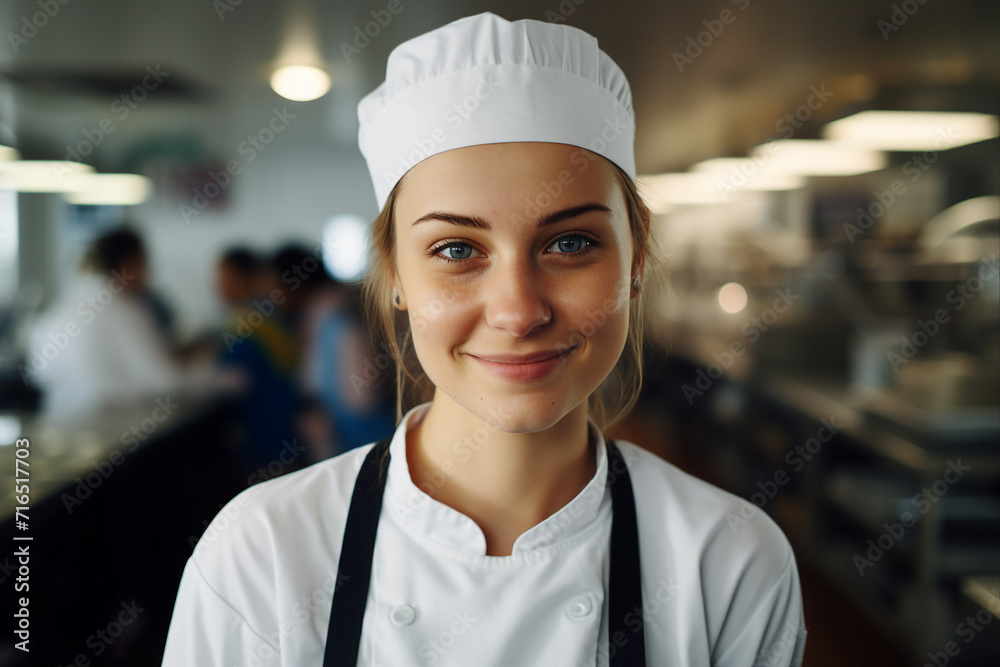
498, 526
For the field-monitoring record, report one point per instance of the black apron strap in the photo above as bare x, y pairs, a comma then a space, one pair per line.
343, 639
626, 632
625, 622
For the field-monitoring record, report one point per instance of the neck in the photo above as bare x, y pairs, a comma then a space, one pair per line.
505, 482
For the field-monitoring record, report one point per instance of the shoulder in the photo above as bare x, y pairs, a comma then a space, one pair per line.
726, 559
708, 528
273, 543
303, 512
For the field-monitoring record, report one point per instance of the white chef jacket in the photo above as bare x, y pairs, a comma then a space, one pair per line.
98, 347
257, 590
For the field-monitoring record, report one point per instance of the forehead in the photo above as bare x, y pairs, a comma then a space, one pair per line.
510, 179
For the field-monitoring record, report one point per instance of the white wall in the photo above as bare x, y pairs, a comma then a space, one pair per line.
287, 193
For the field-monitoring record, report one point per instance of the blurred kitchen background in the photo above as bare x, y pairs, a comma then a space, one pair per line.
826, 182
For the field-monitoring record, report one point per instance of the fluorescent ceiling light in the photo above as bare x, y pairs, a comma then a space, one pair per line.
747, 174
300, 82
913, 130
7, 154
41, 175
109, 189
814, 157
663, 192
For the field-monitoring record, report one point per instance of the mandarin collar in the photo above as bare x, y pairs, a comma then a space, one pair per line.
452, 529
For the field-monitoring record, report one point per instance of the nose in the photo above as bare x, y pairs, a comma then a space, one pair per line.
515, 300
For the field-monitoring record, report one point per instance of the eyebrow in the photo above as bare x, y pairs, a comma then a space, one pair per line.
475, 222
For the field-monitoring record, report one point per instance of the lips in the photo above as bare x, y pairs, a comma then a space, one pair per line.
532, 358
523, 367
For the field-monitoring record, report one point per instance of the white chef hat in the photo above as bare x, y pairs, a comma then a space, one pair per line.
485, 80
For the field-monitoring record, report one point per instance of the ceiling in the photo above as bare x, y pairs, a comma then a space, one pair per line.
60, 81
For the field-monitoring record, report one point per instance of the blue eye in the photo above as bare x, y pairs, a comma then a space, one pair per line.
455, 251
570, 244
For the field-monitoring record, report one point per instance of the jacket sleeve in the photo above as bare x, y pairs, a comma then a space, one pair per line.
205, 631
770, 631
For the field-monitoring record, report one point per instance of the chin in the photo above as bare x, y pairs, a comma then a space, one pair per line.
527, 414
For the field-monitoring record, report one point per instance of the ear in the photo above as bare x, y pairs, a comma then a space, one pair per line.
639, 263
398, 299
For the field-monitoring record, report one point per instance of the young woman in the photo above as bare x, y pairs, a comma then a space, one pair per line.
498, 526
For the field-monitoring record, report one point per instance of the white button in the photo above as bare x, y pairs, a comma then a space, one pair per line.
403, 615
580, 607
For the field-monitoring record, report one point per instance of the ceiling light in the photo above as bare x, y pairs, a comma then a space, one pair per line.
709, 185
814, 157
109, 189
732, 297
747, 174
300, 82
41, 175
913, 130
664, 192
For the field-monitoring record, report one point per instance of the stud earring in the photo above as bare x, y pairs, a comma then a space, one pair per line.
395, 296
636, 283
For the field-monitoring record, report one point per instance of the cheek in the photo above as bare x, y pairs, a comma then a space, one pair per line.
438, 316
597, 305
600, 320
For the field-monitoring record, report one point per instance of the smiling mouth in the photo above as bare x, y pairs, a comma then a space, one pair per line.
524, 359
523, 368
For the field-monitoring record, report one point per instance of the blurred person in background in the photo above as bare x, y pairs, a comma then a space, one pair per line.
345, 373
257, 344
344, 400
102, 343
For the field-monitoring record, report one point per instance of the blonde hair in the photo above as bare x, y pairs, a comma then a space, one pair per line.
612, 400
